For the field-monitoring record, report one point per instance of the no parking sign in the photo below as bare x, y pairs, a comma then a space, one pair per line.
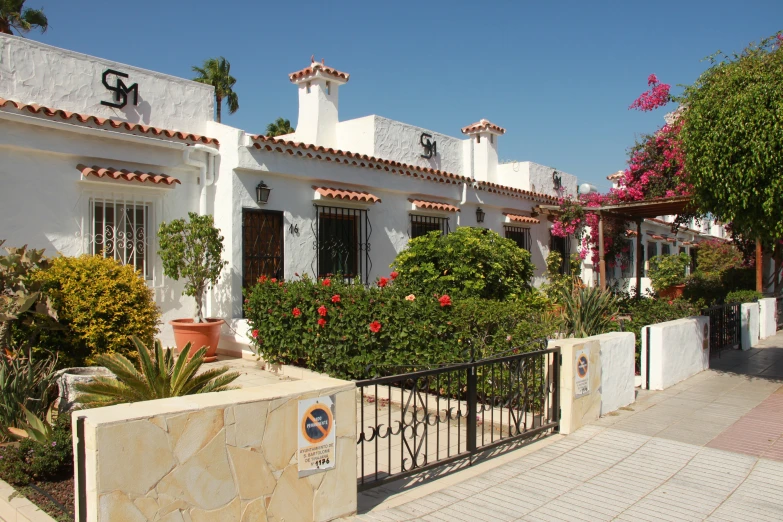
316, 435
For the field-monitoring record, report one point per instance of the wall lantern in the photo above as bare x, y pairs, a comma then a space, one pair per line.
262, 193
479, 215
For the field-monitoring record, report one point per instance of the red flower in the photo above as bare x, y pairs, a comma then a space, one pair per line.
393, 275
444, 300
321, 322
321, 312
273, 280
326, 282
335, 298
375, 327
383, 282
262, 279
296, 312
254, 333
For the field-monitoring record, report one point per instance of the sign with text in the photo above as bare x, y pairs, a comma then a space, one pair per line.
582, 374
316, 435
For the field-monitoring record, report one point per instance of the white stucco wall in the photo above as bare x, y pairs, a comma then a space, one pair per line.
767, 319
357, 135
32, 72
750, 325
618, 366
678, 350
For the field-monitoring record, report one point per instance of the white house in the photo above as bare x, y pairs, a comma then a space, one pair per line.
94, 155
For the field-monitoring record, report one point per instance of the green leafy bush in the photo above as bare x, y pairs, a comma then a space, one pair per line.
28, 460
469, 262
709, 289
100, 303
743, 296
715, 257
668, 271
559, 284
342, 329
646, 311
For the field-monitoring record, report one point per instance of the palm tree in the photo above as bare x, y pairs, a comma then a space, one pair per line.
216, 72
159, 375
14, 16
279, 127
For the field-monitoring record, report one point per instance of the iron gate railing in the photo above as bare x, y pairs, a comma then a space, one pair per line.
725, 327
422, 419
779, 306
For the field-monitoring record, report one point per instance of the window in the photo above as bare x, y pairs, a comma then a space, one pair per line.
119, 229
652, 250
521, 236
421, 225
665, 250
309, 85
478, 139
562, 245
343, 247
328, 88
492, 138
627, 260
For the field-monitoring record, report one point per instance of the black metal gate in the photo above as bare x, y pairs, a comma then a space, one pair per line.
725, 327
422, 419
262, 245
779, 307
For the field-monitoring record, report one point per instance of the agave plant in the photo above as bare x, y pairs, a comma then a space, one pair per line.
26, 384
37, 429
160, 374
588, 311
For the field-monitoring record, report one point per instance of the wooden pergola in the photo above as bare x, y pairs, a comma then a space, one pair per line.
636, 211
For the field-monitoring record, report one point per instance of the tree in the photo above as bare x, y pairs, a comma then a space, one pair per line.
733, 139
14, 16
216, 72
279, 127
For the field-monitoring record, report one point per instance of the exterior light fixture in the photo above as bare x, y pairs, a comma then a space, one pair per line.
479, 215
262, 193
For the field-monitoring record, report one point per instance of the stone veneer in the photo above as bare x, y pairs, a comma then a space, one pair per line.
228, 456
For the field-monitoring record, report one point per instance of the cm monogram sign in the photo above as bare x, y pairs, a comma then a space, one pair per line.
120, 90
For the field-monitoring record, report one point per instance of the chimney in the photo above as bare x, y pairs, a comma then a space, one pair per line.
318, 107
484, 141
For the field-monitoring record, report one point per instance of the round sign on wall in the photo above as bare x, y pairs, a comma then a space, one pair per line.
581, 366
317, 423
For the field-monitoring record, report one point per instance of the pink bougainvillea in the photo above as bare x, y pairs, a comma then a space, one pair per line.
655, 170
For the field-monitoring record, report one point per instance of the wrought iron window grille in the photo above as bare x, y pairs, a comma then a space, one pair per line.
562, 245
119, 229
342, 243
521, 236
422, 224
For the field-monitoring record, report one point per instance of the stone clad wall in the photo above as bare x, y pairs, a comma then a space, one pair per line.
229, 456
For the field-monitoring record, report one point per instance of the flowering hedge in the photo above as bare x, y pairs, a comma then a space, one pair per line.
345, 329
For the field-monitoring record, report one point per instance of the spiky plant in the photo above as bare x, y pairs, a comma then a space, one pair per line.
160, 374
588, 311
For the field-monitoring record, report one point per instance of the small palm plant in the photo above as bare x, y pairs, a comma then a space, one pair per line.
588, 311
160, 375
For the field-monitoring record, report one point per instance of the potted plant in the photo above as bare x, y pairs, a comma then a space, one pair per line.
192, 250
667, 275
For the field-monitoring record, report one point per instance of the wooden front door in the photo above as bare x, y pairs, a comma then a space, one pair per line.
262, 245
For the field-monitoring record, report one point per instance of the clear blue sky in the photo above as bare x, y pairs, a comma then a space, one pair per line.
559, 76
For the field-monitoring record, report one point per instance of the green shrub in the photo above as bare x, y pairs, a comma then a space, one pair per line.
343, 329
28, 460
668, 271
588, 311
100, 303
25, 381
715, 257
559, 284
710, 289
469, 262
646, 311
743, 296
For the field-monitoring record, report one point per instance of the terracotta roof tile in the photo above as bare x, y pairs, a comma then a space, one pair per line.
106, 122
617, 175
314, 68
350, 195
483, 125
434, 205
516, 218
126, 175
307, 150
631, 233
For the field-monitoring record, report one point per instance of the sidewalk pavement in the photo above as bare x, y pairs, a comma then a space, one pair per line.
709, 448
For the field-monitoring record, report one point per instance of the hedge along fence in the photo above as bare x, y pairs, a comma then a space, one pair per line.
352, 331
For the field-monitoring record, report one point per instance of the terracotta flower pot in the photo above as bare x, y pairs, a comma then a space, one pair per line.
198, 335
673, 292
